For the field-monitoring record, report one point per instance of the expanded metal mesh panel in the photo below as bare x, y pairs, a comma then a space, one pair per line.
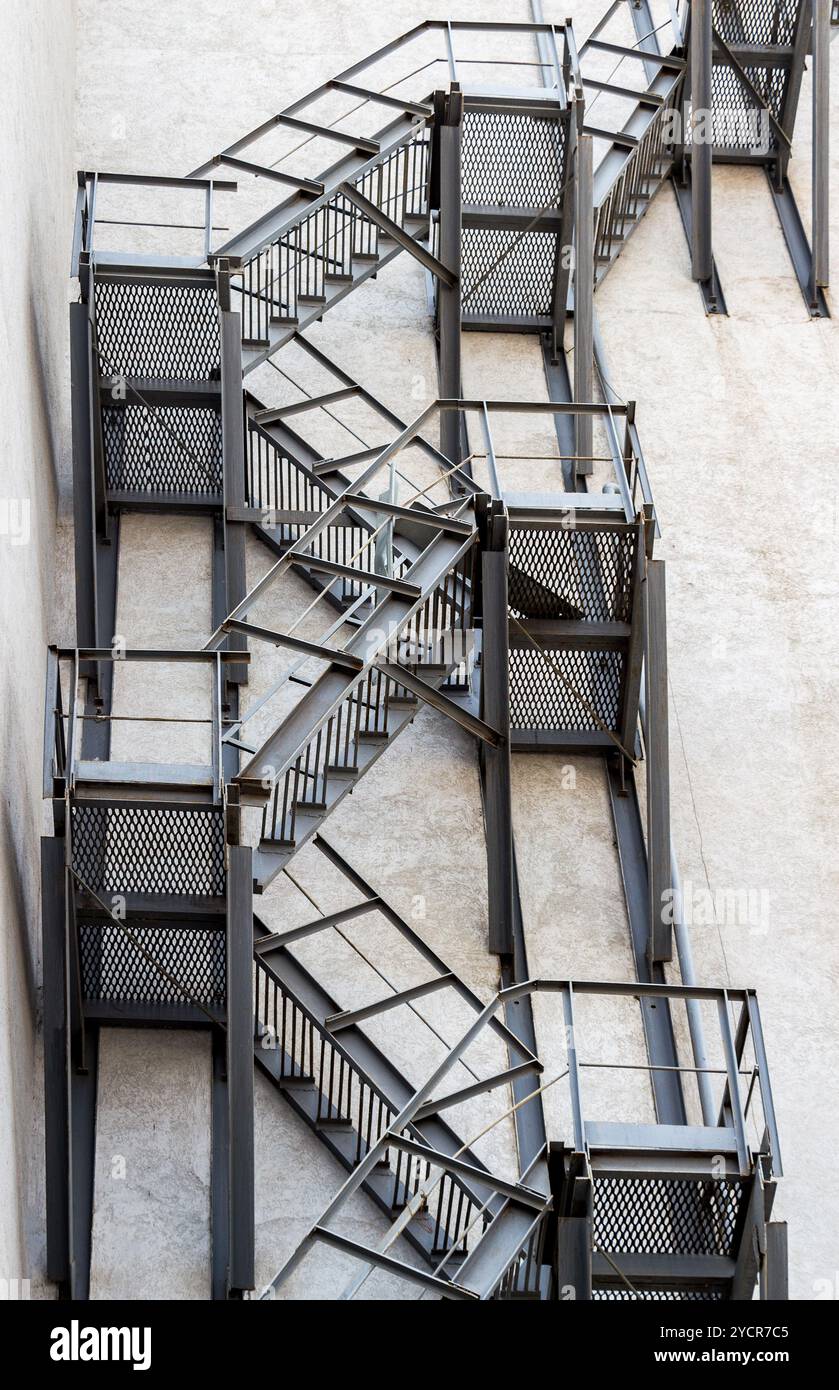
739, 122
160, 330
163, 449
756, 21
149, 849
565, 573
512, 160
666, 1216
683, 1295
562, 691
189, 964
521, 282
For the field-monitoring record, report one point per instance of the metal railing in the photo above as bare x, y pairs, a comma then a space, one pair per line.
646, 166
63, 719
307, 1054
323, 242
289, 496
436, 634
85, 220
733, 1075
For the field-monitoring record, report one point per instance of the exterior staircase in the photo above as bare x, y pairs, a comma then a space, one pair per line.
303, 257
349, 1093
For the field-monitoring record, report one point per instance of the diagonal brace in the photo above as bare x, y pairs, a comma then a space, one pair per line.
276, 941
297, 644
451, 1163
479, 1088
393, 1266
348, 1017
402, 675
398, 234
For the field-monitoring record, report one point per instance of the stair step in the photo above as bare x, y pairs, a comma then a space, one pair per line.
336, 1124
338, 278
311, 299
255, 343
285, 320
374, 735
295, 1082
338, 770
368, 257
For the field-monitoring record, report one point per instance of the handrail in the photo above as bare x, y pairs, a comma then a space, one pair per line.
84, 223
722, 996
59, 748
332, 1072
444, 27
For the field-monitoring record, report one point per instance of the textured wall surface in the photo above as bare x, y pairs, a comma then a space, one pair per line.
36, 175
737, 418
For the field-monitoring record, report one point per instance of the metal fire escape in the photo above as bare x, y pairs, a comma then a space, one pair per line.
534, 620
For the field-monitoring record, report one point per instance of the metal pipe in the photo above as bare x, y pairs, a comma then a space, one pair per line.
687, 970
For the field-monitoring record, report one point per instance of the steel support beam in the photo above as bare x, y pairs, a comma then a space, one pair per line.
83, 1091
240, 1068
219, 1169
573, 1258
655, 1014
495, 711
84, 521
774, 1273
56, 1059
220, 610
584, 302
449, 111
821, 147
233, 445
70, 1084
701, 157
660, 944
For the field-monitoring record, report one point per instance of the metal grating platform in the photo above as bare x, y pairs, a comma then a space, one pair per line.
161, 330
112, 968
120, 848
538, 701
753, 21
573, 574
511, 159
163, 449
523, 282
648, 1295
666, 1216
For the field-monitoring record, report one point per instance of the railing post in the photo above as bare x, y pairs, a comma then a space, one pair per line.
735, 1101
573, 1069
449, 112
240, 1025
701, 153
495, 710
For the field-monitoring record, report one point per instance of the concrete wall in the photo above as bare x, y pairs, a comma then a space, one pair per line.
36, 128
735, 417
